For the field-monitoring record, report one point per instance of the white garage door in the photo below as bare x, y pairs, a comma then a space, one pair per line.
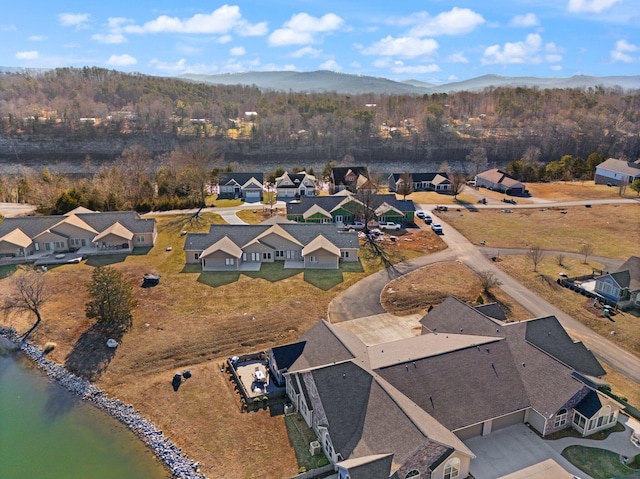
252, 196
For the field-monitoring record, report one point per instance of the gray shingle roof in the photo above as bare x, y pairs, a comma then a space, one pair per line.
454, 316
548, 335
464, 387
242, 234
377, 466
34, 225
632, 265
330, 202
493, 310
321, 347
418, 177
240, 178
338, 173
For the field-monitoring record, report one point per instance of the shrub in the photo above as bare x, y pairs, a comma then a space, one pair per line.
48, 347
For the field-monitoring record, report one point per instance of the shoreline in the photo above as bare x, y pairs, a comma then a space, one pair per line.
170, 455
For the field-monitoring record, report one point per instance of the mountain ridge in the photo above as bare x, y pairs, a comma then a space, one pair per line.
323, 81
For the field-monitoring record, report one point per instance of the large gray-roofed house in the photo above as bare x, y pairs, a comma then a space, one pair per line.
616, 172
81, 231
449, 384
248, 186
437, 181
246, 247
498, 180
621, 287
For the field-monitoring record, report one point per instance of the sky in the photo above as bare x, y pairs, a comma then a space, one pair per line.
438, 41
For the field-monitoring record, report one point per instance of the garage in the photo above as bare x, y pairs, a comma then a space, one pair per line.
252, 197
509, 420
469, 432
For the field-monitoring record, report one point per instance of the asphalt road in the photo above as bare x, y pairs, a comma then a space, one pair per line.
363, 298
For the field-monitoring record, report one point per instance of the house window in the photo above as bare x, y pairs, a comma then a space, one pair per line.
452, 468
47, 246
579, 420
561, 418
313, 259
59, 244
412, 475
279, 254
229, 261
140, 239
196, 256
266, 255
345, 254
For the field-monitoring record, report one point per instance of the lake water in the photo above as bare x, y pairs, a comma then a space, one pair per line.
48, 433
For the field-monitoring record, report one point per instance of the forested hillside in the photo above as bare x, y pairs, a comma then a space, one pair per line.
68, 115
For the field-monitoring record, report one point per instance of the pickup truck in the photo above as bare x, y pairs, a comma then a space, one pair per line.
356, 225
390, 225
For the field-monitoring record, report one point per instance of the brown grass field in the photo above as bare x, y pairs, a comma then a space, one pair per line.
612, 230
194, 320
576, 190
416, 291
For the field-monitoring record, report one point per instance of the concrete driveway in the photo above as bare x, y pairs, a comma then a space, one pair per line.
516, 452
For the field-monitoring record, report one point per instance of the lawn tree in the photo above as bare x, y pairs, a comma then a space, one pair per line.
536, 255
111, 299
478, 158
457, 183
405, 185
560, 259
488, 281
635, 186
586, 250
29, 295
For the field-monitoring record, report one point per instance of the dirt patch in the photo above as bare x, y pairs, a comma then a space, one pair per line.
419, 290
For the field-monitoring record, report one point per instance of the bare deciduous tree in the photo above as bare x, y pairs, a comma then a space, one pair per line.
29, 295
560, 259
457, 183
586, 250
536, 255
478, 158
405, 185
488, 281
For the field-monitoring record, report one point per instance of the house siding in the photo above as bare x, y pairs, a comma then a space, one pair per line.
217, 262
325, 260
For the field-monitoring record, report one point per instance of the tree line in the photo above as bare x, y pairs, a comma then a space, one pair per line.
91, 102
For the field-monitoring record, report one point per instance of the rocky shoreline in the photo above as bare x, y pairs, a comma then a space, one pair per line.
172, 456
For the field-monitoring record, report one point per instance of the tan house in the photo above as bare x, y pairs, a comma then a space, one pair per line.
403, 408
80, 231
246, 247
498, 180
295, 185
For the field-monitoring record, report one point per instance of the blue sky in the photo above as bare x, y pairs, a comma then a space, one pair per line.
435, 41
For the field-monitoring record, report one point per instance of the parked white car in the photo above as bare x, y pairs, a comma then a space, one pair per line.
437, 228
390, 225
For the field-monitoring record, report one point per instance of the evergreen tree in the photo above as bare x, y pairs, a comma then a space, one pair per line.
111, 299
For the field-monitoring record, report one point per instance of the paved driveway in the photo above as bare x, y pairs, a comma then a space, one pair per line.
517, 452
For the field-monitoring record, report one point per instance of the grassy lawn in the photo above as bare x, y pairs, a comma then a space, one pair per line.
612, 230
416, 291
572, 191
300, 435
193, 320
433, 198
598, 463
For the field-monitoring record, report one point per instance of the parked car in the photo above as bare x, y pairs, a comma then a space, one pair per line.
420, 214
427, 219
356, 225
390, 225
437, 228
509, 200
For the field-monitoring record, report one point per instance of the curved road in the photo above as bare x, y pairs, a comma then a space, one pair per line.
363, 298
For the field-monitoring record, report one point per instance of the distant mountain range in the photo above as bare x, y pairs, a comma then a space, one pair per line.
327, 81
324, 81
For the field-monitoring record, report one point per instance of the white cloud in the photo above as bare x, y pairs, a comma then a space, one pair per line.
457, 57
406, 47
37, 38
31, 55
330, 65
457, 21
110, 38
529, 51
121, 60
8, 28
622, 52
78, 20
220, 21
238, 51
524, 21
303, 29
399, 67
306, 52
591, 6
179, 66
556, 68
224, 39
